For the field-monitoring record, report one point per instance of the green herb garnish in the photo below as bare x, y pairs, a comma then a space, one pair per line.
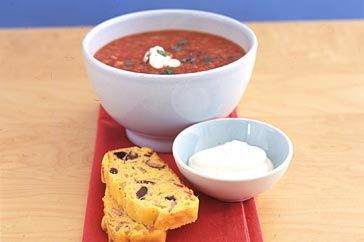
162, 52
129, 63
176, 48
148, 56
206, 59
182, 42
167, 72
179, 44
188, 60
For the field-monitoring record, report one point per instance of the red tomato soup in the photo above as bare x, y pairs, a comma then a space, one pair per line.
195, 51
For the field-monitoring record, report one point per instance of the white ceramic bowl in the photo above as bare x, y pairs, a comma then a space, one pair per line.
211, 133
155, 108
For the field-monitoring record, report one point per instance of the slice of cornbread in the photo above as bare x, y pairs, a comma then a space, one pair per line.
121, 227
147, 189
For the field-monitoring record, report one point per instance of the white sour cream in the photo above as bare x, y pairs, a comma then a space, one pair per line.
158, 58
235, 159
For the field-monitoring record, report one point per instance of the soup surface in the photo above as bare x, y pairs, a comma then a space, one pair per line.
195, 51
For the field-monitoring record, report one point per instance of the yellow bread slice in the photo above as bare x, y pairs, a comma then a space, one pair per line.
121, 228
147, 189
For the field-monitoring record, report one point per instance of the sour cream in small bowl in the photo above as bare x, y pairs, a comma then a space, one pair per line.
232, 159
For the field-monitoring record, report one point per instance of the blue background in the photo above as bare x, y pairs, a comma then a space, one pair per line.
22, 13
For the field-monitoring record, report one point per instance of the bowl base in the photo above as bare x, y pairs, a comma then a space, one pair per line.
157, 143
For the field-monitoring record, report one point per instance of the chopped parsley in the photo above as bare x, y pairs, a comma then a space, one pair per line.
182, 42
162, 53
147, 59
206, 59
176, 48
188, 60
167, 72
129, 63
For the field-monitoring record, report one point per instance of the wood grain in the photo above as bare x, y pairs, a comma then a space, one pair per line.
308, 80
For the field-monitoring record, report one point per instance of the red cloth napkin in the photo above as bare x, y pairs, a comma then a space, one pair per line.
217, 221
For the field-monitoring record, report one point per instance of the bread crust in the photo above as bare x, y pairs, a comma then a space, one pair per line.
121, 228
147, 189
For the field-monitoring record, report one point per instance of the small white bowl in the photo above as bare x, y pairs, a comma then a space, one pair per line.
155, 108
211, 133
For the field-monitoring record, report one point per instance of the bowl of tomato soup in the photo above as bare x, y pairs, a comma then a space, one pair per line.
157, 72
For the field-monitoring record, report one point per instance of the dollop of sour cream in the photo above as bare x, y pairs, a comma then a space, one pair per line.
158, 58
235, 159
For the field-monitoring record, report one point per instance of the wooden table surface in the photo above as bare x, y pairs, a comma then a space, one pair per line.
308, 80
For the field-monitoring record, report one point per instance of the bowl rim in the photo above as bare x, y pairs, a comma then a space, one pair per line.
93, 32
276, 170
